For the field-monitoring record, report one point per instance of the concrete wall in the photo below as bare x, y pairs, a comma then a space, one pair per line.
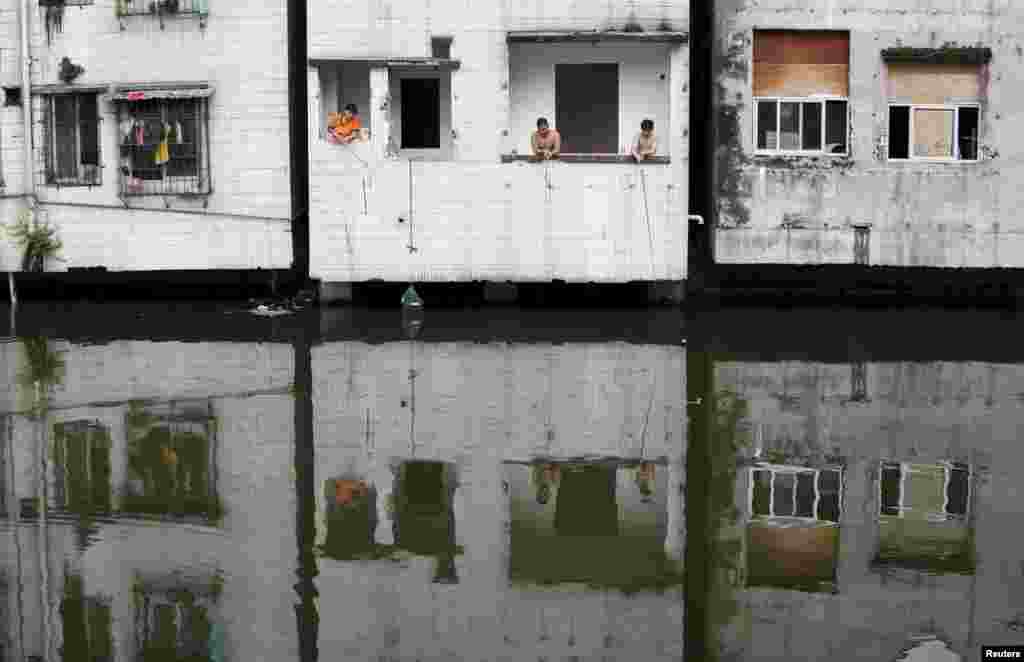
244, 222
909, 412
921, 214
475, 219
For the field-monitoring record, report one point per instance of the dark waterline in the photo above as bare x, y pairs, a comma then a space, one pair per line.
509, 484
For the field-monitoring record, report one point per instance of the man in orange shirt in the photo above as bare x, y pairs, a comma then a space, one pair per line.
345, 128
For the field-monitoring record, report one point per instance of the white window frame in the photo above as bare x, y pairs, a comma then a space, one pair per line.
778, 120
955, 158
775, 470
905, 469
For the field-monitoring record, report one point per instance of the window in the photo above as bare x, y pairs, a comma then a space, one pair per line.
934, 132
801, 85
587, 107
162, 146
441, 47
421, 113
12, 96
795, 492
71, 143
934, 110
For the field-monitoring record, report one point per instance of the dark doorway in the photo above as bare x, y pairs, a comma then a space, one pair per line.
421, 113
587, 107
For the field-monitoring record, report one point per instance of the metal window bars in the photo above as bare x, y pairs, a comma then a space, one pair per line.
69, 149
162, 9
162, 148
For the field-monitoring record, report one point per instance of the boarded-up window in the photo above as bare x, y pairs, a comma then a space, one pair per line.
919, 84
801, 63
794, 65
934, 110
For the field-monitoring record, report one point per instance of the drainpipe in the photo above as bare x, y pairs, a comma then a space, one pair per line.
26, 98
700, 255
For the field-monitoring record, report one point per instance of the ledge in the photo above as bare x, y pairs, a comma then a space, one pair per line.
594, 35
590, 158
949, 55
414, 62
60, 88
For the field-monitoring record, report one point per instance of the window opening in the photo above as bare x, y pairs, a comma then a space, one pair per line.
587, 107
421, 113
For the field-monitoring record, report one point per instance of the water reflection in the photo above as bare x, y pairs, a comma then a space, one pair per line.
414, 497
602, 524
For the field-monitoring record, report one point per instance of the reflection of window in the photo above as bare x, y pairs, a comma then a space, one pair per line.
172, 462
922, 489
71, 144
923, 520
82, 467
801, 85
351, 518
85, 624
175, 625
424, 521
796, 492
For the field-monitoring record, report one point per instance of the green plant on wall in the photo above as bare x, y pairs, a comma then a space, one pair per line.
36, 238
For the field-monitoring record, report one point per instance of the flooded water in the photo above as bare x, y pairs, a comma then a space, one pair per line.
196, 483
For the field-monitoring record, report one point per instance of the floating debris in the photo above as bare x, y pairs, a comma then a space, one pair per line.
410, 299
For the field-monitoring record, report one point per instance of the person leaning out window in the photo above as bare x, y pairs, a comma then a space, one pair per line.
645, 145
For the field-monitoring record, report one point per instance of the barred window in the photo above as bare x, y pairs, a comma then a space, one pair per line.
162, 147
71, 145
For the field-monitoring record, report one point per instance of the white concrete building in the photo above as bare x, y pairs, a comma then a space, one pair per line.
450, 93
168, 150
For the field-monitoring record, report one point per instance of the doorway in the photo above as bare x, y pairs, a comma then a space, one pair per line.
421, 113
587, 107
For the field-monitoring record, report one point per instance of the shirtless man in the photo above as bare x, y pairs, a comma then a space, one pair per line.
645, 145
545, 143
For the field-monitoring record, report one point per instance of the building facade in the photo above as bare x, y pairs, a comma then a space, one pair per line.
866, 134
439, 189
156, 143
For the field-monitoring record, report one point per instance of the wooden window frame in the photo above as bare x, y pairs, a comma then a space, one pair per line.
955, 158
778, 120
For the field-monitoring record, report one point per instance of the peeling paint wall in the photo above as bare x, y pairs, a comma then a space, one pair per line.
472, 217
802, 210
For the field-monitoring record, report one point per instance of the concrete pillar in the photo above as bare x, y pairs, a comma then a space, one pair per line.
380, 110
317, 113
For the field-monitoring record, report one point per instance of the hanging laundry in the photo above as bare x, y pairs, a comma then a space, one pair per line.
140, 134
162, 151
177, 133
125, 128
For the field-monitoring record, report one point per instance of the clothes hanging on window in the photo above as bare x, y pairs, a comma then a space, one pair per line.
140, 133
162, 151
177, 133
125, 128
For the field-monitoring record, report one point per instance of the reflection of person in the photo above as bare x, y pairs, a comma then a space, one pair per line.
645, 480
343, 128
544, 476
545, 142
346, 491
645, 145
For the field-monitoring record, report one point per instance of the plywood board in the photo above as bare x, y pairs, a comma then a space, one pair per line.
934, 83
801, 80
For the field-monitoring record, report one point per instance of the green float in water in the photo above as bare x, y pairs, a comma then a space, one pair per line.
410, 299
